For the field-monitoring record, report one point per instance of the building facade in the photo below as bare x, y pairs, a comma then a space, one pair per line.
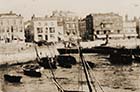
82, 28
101, 24
69, 21
11, 28
45, 28
129, 27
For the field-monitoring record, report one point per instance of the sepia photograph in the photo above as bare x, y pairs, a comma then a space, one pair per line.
69, 45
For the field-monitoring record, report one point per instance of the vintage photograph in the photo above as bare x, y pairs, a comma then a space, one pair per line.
69, 45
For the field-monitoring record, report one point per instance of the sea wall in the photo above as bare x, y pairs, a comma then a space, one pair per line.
25, 54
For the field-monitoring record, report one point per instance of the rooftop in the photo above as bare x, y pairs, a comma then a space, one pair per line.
9, 14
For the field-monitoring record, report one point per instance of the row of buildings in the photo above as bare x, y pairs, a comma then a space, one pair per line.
60, 26
101, 25
64, 26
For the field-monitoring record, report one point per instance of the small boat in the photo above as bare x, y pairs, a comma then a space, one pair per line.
66, 61
12, 78
32, 70
118, 58
45, 62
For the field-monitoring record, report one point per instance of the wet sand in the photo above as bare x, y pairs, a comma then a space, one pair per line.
111, 78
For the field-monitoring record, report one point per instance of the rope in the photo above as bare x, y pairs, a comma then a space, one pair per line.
54, 78
90, 74
80, 76
87, 65
95, 77
85, 70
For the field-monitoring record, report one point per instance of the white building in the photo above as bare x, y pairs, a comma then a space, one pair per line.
11, 28
69, 21
129, 28
45, 28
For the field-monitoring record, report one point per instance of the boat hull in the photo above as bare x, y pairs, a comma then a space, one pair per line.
120, 58
32, 73
32, 70
13, 79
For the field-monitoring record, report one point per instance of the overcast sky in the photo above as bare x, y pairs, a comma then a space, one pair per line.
82, 7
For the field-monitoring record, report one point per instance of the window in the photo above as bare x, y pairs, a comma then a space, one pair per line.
15, 39
46, 31
40, 37
12, 29
39, 30
12, 37
8, 29
118, 31
46, 37
20, 29
52, 30
97, 32
52, 36
74, 32
104, 31
67, 32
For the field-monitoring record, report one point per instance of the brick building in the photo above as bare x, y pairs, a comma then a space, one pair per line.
100, 24
82, 28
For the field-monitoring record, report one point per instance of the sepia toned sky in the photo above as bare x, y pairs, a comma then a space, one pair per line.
82, 7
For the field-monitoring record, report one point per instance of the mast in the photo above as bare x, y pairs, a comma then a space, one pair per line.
85, 68
38, 57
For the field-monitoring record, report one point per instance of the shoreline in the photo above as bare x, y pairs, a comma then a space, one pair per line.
21, 53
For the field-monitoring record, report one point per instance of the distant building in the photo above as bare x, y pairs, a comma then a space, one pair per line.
11, 28
45, 28
69, 21
101, 24
129, 27
138, 27
82, 28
